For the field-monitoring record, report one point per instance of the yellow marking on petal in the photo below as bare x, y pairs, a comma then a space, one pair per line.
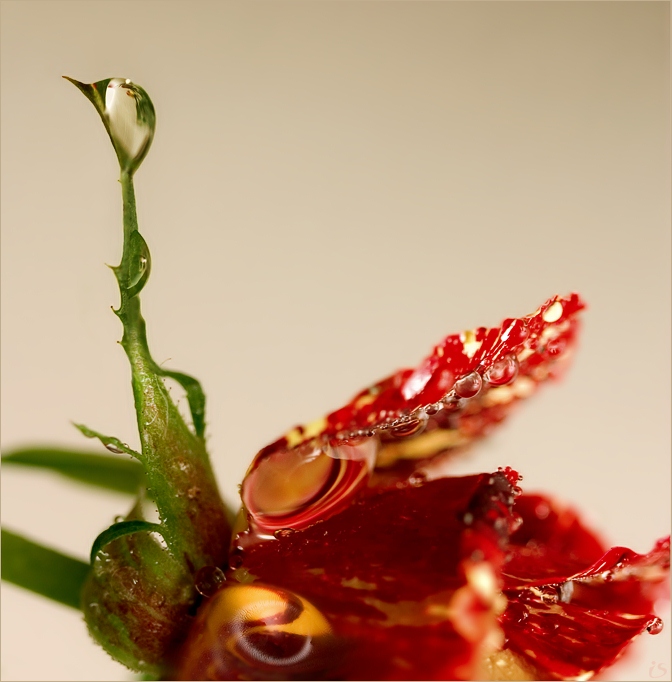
358, 584
508, 665
482, 579
523, 387
469, 344
524, 354
430, 611
499, 395
553, 313
364, 400
422, 446
315, 428
294, 437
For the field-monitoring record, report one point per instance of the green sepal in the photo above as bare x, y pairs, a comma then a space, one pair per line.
42, 570
104, 471
110, 442
195, 397
118, 530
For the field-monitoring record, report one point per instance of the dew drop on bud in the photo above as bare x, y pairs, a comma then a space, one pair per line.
131, 119
654, 626
208, 579
503, 371
118, 518
469, 385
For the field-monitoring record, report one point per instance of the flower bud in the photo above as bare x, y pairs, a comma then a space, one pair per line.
128, 115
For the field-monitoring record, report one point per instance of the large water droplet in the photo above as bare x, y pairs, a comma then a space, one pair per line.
131, 119
469, 385
654, 626
208, 580
503, 371
275, 632
293, 488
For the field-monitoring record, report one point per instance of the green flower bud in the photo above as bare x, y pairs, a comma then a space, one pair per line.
128, 115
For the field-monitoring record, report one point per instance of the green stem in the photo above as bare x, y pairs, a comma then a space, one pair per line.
180, 478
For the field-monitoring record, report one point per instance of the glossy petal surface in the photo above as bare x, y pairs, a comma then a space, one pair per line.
573, 605
409, 570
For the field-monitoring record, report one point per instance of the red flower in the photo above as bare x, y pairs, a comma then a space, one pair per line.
354, 557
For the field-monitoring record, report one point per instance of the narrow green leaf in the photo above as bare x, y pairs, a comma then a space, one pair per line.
118, 530
110, 442
111, 473
42, 570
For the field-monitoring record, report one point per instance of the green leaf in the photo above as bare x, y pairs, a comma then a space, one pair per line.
110, 442
118, 530
103, 471
42, 570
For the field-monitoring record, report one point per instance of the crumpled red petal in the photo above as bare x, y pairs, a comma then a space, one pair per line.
406, 578
573, 606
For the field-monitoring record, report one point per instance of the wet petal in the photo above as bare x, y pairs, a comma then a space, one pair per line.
573, 607
466, 386
414, 569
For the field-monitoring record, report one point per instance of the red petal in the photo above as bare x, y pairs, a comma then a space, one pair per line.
574, 607
399, 572
463, 388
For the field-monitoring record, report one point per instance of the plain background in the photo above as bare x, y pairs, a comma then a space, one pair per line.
333, 187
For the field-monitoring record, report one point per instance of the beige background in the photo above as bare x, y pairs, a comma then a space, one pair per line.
333, 187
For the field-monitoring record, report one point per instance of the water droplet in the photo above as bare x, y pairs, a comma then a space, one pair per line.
517, 490
140, 264
469, 385
516, 523
433, 409
549, 594
237, 557
131, 118
114, 448
283, 532
654, 626
294, 487
409, 427
417, 479
556, 346
607, 576
118, 518
208, 579
503, 371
